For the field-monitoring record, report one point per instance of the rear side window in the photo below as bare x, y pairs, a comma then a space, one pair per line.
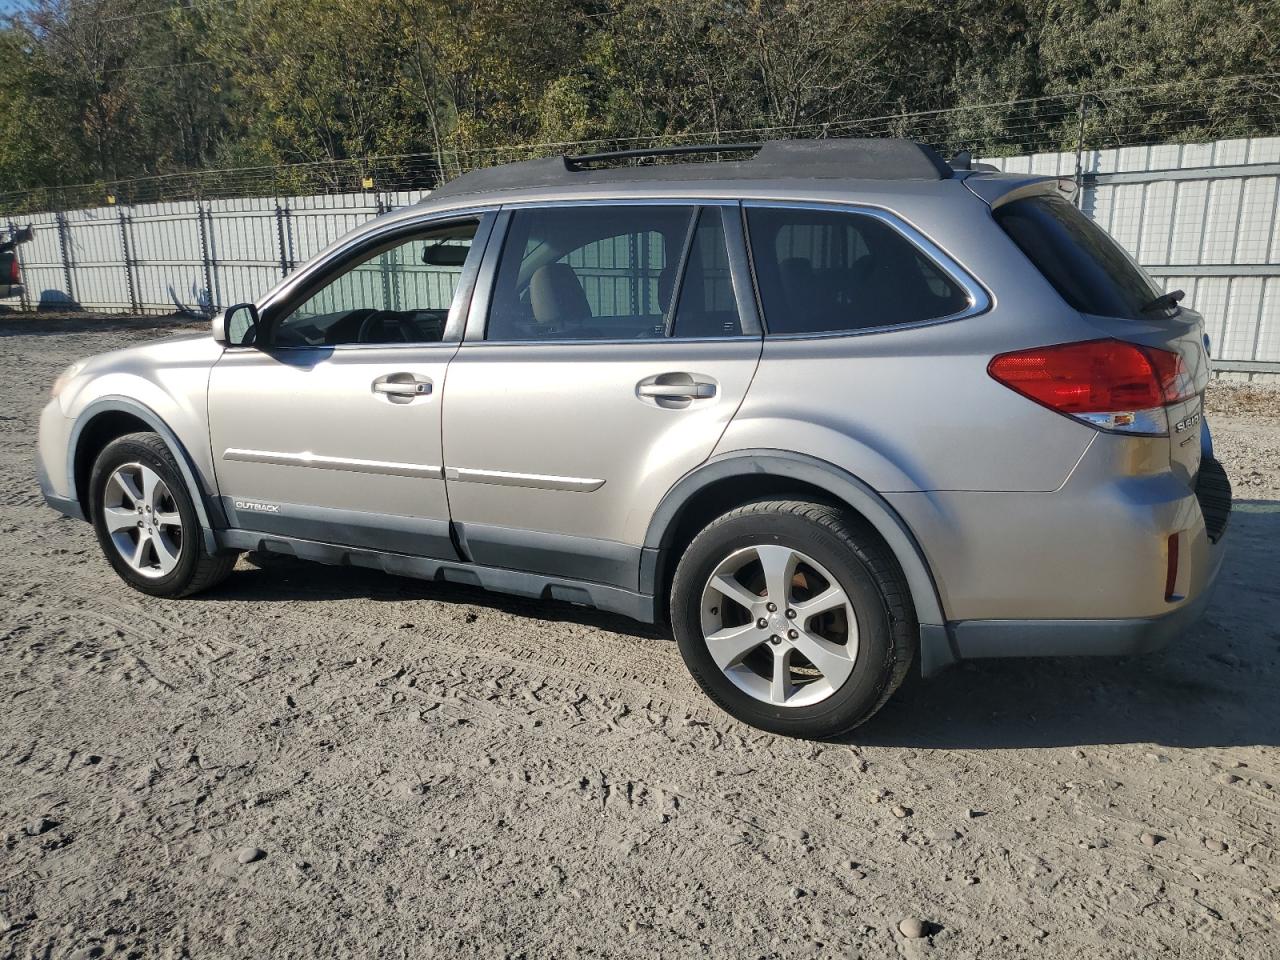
613, 272
828, 271
1091, 271
600, 272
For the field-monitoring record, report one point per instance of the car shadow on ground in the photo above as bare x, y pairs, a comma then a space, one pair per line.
275, 578
1215, 686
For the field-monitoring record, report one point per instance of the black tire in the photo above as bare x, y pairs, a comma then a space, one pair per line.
196, 569
868, 573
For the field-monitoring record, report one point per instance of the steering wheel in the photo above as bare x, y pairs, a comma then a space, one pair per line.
377, 319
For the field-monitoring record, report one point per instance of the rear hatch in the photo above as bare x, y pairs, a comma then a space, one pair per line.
1117, 300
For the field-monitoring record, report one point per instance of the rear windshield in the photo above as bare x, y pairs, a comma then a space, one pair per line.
1092, 272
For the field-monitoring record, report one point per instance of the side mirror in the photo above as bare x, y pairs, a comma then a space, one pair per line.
236, 326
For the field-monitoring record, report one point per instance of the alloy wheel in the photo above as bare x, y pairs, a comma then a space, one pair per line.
142, 519
779, 626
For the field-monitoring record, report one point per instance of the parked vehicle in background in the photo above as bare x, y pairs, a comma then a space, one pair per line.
826, 411
10, 272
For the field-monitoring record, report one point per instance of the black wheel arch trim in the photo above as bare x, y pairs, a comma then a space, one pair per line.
840, 484
205, 503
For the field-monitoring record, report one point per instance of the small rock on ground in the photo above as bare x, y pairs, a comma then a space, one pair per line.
913, 928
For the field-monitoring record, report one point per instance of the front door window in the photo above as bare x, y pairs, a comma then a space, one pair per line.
399, 294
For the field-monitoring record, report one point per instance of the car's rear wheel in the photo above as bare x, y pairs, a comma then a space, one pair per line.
146, 522
793, 617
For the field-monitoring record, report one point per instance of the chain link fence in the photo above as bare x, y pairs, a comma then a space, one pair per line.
1178, 112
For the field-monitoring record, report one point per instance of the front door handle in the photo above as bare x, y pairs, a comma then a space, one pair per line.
675, 390
402, 387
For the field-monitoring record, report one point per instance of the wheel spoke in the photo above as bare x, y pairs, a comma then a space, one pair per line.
781, 687
165, 555
119, 518
730, 645
140, 549
728, 587
829, 659
828, 599
128, 486
779, 565
151, 483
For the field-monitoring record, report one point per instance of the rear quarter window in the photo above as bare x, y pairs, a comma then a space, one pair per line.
1090, 270
823, 271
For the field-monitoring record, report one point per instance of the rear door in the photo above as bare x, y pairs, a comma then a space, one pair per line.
607, 350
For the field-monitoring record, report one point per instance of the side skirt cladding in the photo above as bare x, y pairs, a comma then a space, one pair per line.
542, 586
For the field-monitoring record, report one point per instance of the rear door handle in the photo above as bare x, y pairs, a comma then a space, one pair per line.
402, 387
675, 390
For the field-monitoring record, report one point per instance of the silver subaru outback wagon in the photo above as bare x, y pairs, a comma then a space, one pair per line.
826, 409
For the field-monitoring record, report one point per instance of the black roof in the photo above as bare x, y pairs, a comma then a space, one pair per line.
848, 159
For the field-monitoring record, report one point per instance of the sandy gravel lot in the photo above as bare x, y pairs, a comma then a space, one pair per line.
314, 761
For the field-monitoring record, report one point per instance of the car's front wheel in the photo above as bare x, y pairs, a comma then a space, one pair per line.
146, 522
793, 617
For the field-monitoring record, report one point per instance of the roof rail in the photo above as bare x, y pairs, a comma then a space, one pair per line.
780, 160
578, 162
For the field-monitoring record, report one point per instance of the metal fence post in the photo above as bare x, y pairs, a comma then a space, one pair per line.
284, 233
128, 262
1082, 109
203, 230
64, 248
390, 297
24, 300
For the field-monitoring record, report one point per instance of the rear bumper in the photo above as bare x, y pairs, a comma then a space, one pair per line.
978, 639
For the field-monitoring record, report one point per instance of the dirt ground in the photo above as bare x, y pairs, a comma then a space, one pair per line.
315, 761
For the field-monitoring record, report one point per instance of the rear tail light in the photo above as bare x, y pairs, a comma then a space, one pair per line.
13, 270
1109, 384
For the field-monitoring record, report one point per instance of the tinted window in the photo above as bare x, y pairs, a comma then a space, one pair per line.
606, 271
1091, 271
707, 307
400, 294
820, 271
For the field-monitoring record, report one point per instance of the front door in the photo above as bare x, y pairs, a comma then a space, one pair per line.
329, 430
620, 340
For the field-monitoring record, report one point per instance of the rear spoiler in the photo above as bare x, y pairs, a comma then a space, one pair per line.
996, 189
